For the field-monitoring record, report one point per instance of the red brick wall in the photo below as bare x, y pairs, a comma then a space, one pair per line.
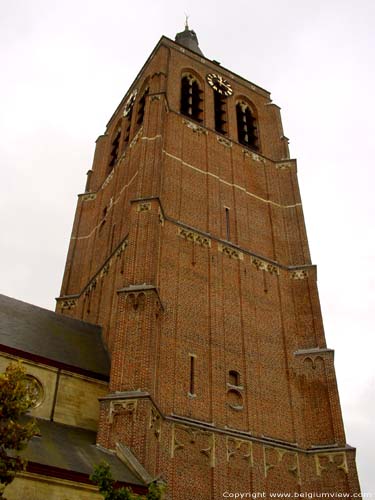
149, 261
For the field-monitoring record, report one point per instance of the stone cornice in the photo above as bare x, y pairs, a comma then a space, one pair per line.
211, 427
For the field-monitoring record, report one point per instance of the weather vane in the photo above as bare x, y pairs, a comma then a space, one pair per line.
186, 21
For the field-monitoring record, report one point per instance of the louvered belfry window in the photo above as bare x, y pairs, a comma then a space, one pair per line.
246, 126
220, 105
191, 98
115, 146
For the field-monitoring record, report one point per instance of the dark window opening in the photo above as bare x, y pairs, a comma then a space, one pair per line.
191, 98
128, 121
192, 374
227, 223
234, 378
141, 108
104, 219
115, 146
246, 126
220, 107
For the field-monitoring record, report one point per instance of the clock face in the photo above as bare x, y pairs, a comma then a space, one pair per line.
219, 84
130, 102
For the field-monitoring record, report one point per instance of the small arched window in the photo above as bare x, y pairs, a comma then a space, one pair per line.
191, 98
234, 378
246, 126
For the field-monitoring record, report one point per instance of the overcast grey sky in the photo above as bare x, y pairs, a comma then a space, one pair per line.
66, 65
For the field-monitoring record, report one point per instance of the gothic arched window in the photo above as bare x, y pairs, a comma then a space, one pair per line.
115, 148
191, 98
234, 378
246, 126
127, 117
141, 107
220, 107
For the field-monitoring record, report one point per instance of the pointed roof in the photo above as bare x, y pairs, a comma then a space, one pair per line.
188, 39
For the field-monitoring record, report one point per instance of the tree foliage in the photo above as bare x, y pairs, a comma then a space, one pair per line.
15, 400
103, 478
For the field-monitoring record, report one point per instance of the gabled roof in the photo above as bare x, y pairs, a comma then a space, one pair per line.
34, 333
70, 452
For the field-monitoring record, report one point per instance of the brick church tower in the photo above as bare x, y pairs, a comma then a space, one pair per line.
189, 249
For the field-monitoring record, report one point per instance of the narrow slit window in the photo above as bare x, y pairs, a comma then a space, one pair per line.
220, 106
192, 375
246, 126
227, 223
191, 98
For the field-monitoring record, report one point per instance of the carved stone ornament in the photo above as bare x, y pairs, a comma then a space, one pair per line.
144, 207
284, 165
299, 274
254, 156
130, 103
239, 448
155, 97
124, 406
323, 461
155, 422
137, 300
88, 196
91, 286
262, 265
121, 248
224, 142
279, 457
108, 179
105, 269
230, 252
235, 399
136, 137
312, 366
196, 238
194, 127
68, 304
183, 435
35, 390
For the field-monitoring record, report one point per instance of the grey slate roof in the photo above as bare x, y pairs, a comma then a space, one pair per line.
52, 336
189, 39
73, 449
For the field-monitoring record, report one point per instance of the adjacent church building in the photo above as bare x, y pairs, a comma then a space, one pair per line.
187, 343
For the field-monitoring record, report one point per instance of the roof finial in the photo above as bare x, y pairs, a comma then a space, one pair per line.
186, 21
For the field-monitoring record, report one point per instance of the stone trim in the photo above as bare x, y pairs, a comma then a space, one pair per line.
230, 252
262, 265
100, 273
195, 127
313, 350
231, 184
87, 196
129, 459
196, 238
